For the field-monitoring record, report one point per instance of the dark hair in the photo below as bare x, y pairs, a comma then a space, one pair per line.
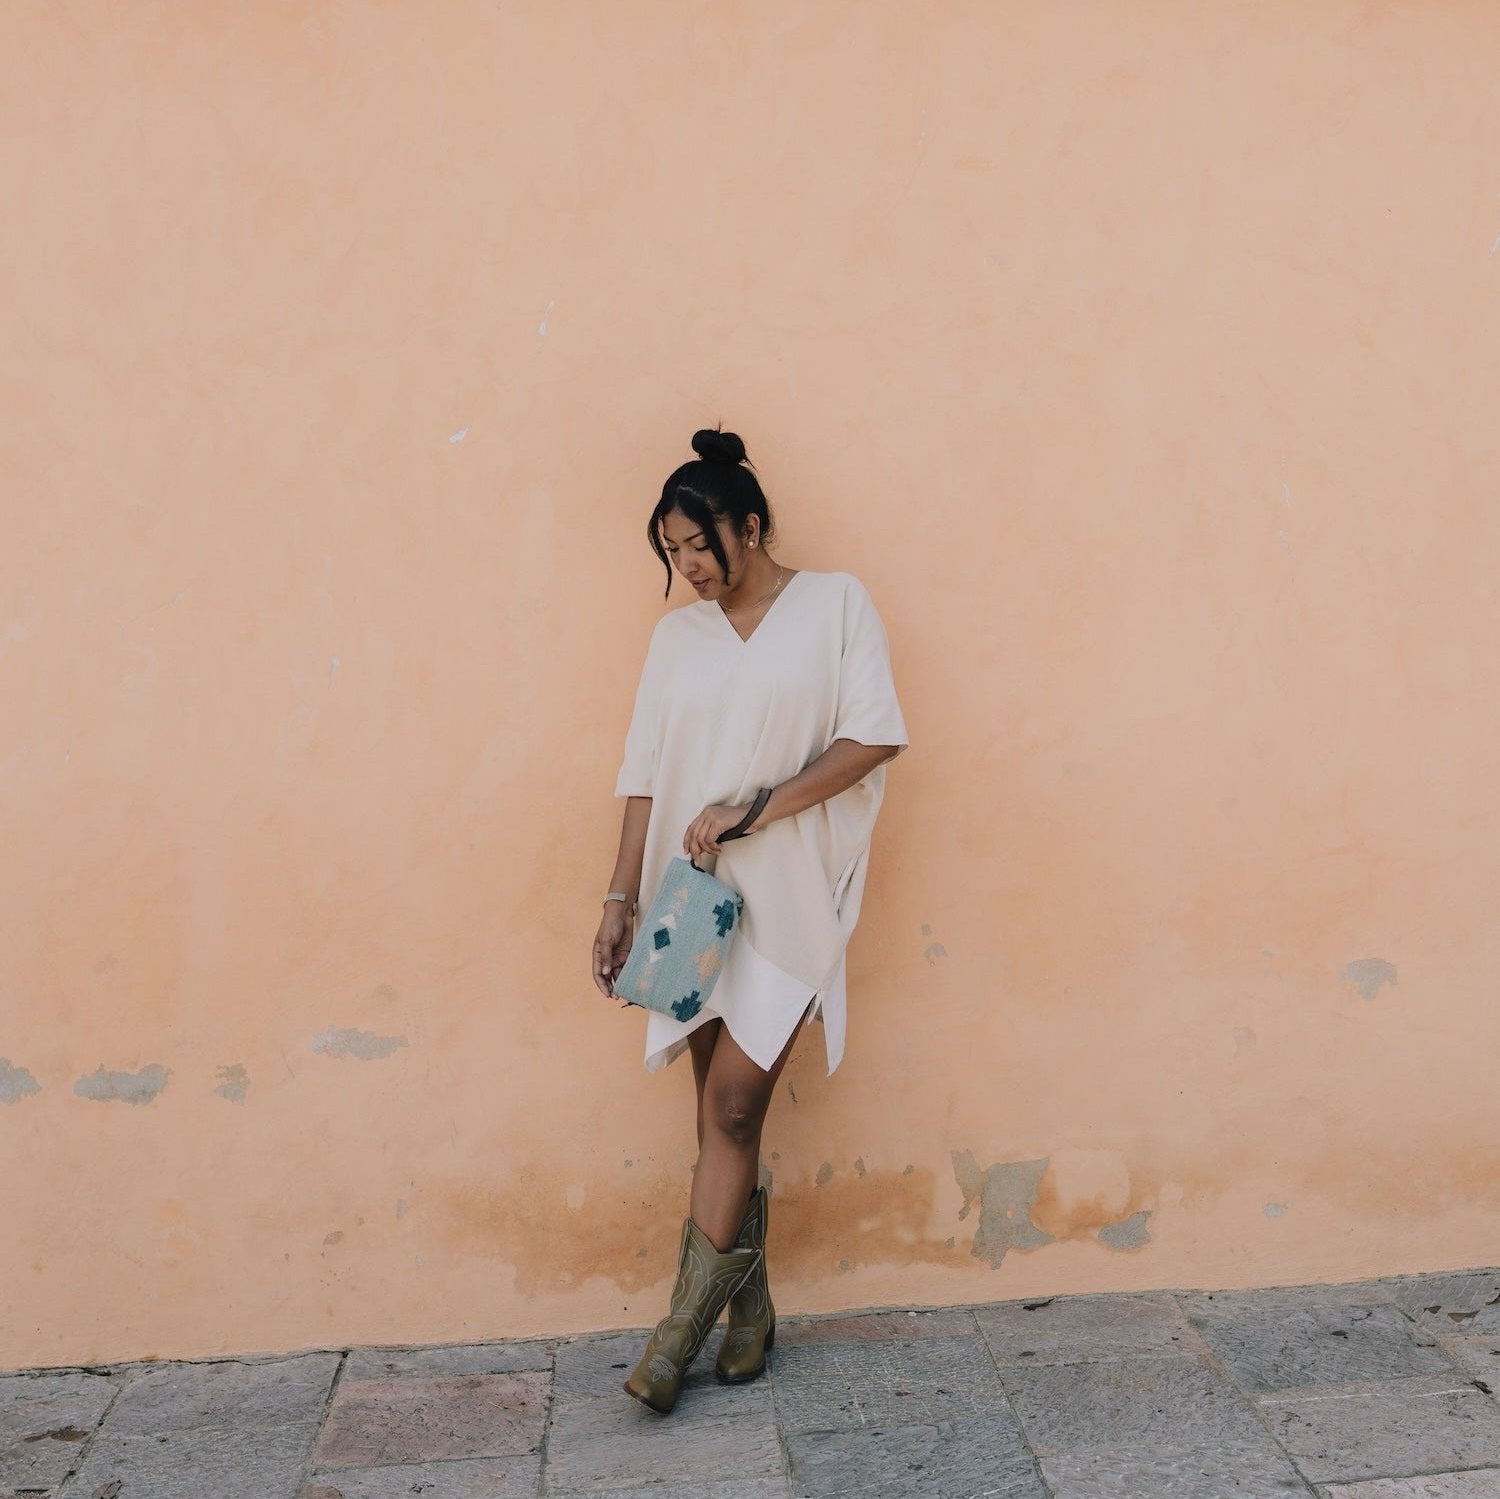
719, 484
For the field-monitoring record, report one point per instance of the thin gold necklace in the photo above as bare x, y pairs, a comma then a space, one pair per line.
780, 579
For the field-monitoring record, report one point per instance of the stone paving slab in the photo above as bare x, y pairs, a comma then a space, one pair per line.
44, 1421
1145, 1402
1386, 1428
378, 1422
1479, 1356
1070, 1329
615, 1442
249, 1463
1466, 1302
463, 1358
876, 1327
183, 1397
483, 1478
1277, 1340
931, 1461
751, 1488
1476, 1484
1245, 1468
839, 1386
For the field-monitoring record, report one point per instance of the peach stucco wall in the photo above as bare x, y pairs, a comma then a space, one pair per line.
1142, 359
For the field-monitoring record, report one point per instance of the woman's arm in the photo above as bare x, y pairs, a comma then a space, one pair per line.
617, 926
843, 764
627, 876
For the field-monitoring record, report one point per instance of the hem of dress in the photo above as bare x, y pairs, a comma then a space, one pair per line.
657, 1060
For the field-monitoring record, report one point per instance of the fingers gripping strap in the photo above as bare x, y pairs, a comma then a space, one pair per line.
743, 826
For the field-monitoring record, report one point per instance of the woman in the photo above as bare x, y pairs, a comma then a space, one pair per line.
775, 679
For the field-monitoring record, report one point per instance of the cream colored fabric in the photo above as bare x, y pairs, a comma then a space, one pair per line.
716, 718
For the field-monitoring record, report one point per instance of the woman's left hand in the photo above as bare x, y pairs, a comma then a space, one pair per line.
702, 836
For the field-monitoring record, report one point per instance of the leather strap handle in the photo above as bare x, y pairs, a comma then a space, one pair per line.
743, 826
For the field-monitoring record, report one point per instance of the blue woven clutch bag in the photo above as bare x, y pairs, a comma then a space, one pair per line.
682, 941
681, 944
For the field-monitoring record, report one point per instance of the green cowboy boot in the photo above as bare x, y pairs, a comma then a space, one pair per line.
752, 1318
706, 1279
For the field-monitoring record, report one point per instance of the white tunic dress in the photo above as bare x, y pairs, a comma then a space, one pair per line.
716, 718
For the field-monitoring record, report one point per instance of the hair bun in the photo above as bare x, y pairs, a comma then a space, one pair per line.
718, 447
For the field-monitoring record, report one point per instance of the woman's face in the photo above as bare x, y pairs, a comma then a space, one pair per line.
692, 557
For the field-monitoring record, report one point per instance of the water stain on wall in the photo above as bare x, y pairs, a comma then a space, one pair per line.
525, 1224
123, 1087
881, 1218
829, 1223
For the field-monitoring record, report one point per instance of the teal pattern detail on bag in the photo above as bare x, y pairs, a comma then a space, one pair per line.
681, 943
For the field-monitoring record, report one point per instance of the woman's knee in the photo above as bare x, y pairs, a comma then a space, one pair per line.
736, 1113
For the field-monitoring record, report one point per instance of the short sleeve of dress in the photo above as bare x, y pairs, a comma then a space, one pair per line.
643, 739
868, 711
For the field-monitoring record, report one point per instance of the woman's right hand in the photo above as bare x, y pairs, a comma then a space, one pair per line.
612, 946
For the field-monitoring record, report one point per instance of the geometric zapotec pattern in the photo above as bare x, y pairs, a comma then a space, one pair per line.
680, 947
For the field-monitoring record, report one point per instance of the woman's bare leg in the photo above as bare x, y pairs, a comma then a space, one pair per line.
701, 1046
733, 1099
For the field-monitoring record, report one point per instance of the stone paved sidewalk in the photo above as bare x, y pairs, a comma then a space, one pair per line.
1379, 1390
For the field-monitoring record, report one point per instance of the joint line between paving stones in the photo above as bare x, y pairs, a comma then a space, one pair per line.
1365, 1395
1257, 1410
312, 1448
83, 1450
781, 1441
1425, 1473
544, 1446
984, 1343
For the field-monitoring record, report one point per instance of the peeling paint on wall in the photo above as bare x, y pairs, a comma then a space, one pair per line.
1274, 1209
365, 1045
825, 1174
234, 1083
123, 1087
1369, 975
1128, 1233
934, 950
1005, 1193
16, 1083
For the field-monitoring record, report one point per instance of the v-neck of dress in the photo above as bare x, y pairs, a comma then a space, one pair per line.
760, 623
